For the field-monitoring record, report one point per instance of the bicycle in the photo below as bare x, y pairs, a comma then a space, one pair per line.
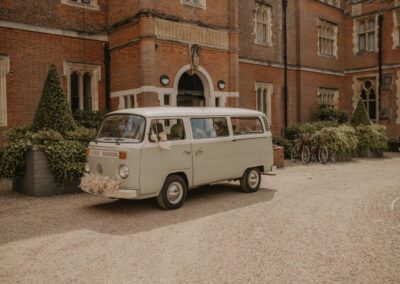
315, 147
297, 148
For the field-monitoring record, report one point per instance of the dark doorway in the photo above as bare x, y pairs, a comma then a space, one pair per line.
190, 91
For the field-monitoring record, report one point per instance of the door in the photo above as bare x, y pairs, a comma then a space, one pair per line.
212, 150
172, 153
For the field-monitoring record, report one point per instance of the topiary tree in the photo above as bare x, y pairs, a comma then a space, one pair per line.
53, 111
360, 115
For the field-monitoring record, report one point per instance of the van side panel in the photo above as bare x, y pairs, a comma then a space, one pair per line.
252, 152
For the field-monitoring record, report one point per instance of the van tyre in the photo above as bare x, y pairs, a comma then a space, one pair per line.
251, 180
173, 193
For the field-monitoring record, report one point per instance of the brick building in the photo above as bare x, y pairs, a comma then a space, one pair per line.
203, 53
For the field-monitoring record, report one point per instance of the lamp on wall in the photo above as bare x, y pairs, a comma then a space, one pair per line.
164, 79
221, 84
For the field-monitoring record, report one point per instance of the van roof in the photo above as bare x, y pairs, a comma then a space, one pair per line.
187, 111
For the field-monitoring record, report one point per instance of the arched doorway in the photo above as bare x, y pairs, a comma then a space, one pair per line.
190, 91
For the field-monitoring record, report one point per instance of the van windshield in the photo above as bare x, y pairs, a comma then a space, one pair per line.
121, 128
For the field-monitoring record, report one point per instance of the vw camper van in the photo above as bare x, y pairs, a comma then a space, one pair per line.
163, 152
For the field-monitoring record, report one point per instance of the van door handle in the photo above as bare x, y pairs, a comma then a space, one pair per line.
200, 151
187, 152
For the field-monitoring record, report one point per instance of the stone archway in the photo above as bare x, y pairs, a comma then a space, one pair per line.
190, 91
198, 75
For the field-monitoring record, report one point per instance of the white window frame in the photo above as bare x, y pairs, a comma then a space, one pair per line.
4, 70
356, 33
201, 4
267, 22
328, 97
333, 38
262, 88
94, 4
82, 68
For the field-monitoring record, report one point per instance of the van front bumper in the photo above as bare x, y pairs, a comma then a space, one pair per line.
118, 194
104, 186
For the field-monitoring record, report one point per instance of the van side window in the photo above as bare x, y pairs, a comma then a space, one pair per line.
209, 127
168, 129
246, 125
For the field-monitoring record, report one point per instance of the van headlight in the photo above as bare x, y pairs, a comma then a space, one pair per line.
123, 171
87, 168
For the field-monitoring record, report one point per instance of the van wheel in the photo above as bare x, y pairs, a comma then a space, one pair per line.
173, 193
251, 180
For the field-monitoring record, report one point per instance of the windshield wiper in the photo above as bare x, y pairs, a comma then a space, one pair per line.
118, 140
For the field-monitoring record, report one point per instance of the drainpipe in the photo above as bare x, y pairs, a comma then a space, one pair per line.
285, 59
380, 54
107, 59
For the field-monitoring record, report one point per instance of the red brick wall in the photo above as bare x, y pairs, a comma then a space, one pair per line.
31, 54
53, 14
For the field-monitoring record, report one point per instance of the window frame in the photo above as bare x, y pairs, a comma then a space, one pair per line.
332, 94
367, 33
267, 9
95, 77
263, 127
93, 5
4, 71
211, 117
333, 41
202, 3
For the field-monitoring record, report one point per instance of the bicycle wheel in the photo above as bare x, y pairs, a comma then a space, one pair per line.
323, 154
306, 155
294, 154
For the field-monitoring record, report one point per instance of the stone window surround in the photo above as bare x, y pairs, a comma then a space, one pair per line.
333, 96
81, 68
269, 89
335, 37
356, 25
269, 24
396, 28
357, 85
4, 70
201, 4
128, 101
94, 4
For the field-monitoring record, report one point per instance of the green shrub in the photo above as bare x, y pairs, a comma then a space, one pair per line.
88, 119
53, 111
66, 160
66, 156
285, 143
326, 113
360, 115
81, 134
393, 145
342, 140
308, 128
371, 137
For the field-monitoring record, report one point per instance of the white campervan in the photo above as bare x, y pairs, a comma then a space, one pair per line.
164, 151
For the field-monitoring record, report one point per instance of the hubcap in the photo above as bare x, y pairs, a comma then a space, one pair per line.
253, 178
174, 192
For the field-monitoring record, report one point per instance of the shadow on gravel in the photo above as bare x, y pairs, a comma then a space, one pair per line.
120, 217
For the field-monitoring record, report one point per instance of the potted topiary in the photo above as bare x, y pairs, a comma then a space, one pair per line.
372, 140
47, 158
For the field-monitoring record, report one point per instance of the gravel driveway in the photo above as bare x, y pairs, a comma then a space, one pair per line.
314, 223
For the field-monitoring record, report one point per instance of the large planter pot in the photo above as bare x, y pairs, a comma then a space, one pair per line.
38, 180
370, 154
279, 159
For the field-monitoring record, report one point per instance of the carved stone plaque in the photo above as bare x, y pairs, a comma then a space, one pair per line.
189, 33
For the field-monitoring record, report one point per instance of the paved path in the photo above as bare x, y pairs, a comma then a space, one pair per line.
308, 224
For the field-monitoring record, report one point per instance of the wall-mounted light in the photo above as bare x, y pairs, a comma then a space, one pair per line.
221, 84
164, 79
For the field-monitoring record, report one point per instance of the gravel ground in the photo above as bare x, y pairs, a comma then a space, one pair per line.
307, 224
